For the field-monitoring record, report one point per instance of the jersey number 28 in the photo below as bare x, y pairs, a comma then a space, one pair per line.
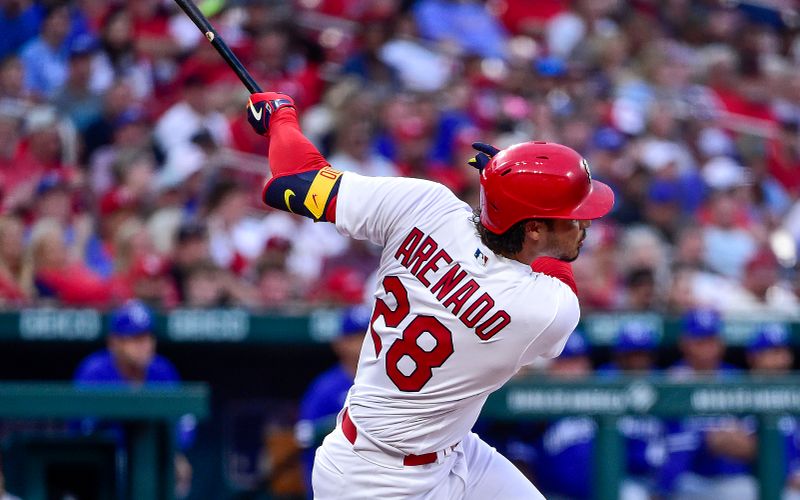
425, 360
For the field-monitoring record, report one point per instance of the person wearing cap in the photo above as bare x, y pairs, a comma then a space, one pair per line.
633, 350
709, 456
326, 394
634, 354
563, 464
769, 354
701, 346
130, 355
130, 359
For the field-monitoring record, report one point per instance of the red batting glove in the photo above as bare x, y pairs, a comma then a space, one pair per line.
262, 106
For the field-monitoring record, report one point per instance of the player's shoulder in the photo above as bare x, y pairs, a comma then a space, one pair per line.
421, 193
331, 379
97, 366
162, 370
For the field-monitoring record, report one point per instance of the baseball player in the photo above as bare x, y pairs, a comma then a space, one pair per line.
464, 300
707, 456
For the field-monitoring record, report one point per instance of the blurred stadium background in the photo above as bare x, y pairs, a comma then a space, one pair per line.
128, 172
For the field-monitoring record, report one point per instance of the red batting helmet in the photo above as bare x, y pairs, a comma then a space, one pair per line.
540, 180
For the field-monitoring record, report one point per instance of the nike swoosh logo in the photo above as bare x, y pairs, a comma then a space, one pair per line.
258, 115
314, 197
286, 196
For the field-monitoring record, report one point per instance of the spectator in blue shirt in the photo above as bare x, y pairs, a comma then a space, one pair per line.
46, 57
769, 354
634, 350
326, 395
634, 353
19, 22
130, 359
467, 24
708, 456
564, 461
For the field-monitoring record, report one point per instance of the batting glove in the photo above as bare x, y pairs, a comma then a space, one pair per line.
262, 106
484, 156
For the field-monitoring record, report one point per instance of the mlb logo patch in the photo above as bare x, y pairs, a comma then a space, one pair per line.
481, 257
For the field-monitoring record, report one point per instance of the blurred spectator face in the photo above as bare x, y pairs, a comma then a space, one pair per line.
723, 210
80, 71
348, 349
275, 287
118, 31
354, 139
681, 295
12, 77
139, 175
9, 136
11, 238
47, 245
690, 247
55, 204
233, 206
56, 25
143, 9
271, 49
134, 351
571, 367
45, 145
771, 361
641, 289
761, 273
203, 287
636, 361
192, 251
118, 99
133, 134
702, 354
196, 95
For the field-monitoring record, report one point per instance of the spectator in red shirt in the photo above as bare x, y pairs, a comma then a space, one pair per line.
11, 251
51, 274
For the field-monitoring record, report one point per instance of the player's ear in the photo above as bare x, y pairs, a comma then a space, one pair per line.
534, 229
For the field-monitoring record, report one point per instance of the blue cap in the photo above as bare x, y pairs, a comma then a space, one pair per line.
133, 318
608, 139
701, 323
355, 320
769, 336
83, 45
50, 182
550, 66
576, 346
662, 192
635, 336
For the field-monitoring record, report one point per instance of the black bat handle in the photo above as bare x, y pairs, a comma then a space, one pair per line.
219, 44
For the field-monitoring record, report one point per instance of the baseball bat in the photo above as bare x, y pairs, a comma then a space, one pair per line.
219, 44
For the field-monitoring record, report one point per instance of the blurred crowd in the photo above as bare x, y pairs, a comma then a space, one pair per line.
128, 169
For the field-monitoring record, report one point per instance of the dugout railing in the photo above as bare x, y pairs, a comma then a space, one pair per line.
606, 400
147, 414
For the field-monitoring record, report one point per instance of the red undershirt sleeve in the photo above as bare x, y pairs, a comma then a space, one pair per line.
557, 269
290, 152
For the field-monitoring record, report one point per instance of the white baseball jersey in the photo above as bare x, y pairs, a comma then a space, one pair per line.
452, 321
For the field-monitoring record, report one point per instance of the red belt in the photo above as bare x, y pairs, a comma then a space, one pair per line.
349, 430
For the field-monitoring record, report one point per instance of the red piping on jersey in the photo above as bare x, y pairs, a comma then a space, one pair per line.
557, 269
